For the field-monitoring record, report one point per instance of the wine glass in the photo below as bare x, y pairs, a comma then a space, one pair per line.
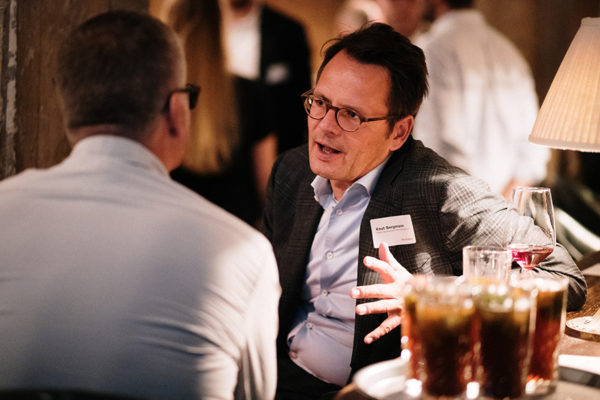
534, 236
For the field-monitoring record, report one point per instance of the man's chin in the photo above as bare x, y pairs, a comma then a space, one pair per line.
324, 171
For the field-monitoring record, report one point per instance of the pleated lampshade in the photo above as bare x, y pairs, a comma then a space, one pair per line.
569, 117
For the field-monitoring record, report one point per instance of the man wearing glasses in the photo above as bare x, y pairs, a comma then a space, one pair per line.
114, 279
362, 181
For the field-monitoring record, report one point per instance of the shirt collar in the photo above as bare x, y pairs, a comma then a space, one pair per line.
118, 147
323, 191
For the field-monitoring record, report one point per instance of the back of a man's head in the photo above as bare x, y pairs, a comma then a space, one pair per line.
117, 68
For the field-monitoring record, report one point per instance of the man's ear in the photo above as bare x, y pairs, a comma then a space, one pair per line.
402, 128
178, 115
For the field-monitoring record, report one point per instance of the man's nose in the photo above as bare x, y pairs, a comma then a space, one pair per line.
329, 122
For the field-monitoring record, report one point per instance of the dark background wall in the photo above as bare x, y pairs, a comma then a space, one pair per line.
31, 131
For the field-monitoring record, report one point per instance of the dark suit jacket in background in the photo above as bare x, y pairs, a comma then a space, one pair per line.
449, 209
286, 73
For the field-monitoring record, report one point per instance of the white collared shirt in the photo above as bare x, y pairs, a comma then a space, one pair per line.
114, 278
242, 45
482, 102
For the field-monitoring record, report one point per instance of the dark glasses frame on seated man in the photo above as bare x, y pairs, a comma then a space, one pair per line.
193, 92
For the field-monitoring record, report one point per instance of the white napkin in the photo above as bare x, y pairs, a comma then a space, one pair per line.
584, 363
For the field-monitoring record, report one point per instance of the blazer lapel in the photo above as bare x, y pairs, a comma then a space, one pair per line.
385, 202
308, 213
304, 219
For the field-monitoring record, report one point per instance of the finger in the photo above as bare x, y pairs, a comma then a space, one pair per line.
383, 329
386, 255
381, 267
377, 290
390, 306
388, 274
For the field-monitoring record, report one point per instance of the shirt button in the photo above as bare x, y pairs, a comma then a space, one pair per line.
309, 325
339, 212
324, 292
329, 255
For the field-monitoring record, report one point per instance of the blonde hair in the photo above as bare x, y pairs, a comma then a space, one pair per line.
214, 122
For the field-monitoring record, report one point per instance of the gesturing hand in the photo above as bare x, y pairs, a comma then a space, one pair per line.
394, 276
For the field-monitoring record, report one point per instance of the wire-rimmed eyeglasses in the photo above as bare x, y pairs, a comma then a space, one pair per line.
193, 92
347, 119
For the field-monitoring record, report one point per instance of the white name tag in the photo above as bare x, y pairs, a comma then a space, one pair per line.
393, 230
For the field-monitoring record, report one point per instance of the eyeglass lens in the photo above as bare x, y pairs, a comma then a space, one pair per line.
317, 108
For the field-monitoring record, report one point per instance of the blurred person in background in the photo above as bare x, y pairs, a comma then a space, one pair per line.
405, 16
232, 147
265, 46
114, 279
482, 101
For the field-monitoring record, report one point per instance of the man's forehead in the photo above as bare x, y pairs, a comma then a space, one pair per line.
351, 83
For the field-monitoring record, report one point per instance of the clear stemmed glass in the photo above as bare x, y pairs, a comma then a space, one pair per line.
534, 235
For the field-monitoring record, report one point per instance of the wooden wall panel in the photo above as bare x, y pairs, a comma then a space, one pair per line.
7, 149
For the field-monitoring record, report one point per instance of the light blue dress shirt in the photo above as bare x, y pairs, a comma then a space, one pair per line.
322, 337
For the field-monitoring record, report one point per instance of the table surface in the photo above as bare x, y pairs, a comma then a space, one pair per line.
568, 345
576, 346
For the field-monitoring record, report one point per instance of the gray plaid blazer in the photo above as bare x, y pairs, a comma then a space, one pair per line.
449, 209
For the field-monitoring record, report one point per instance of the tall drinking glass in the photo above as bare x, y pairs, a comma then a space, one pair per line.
446, 329
534, 237
483, 264
506, 316
549, 328
411, 345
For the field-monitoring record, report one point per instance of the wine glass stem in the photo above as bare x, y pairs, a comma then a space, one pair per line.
526, 272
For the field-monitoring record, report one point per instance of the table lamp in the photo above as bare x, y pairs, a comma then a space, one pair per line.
569, 119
